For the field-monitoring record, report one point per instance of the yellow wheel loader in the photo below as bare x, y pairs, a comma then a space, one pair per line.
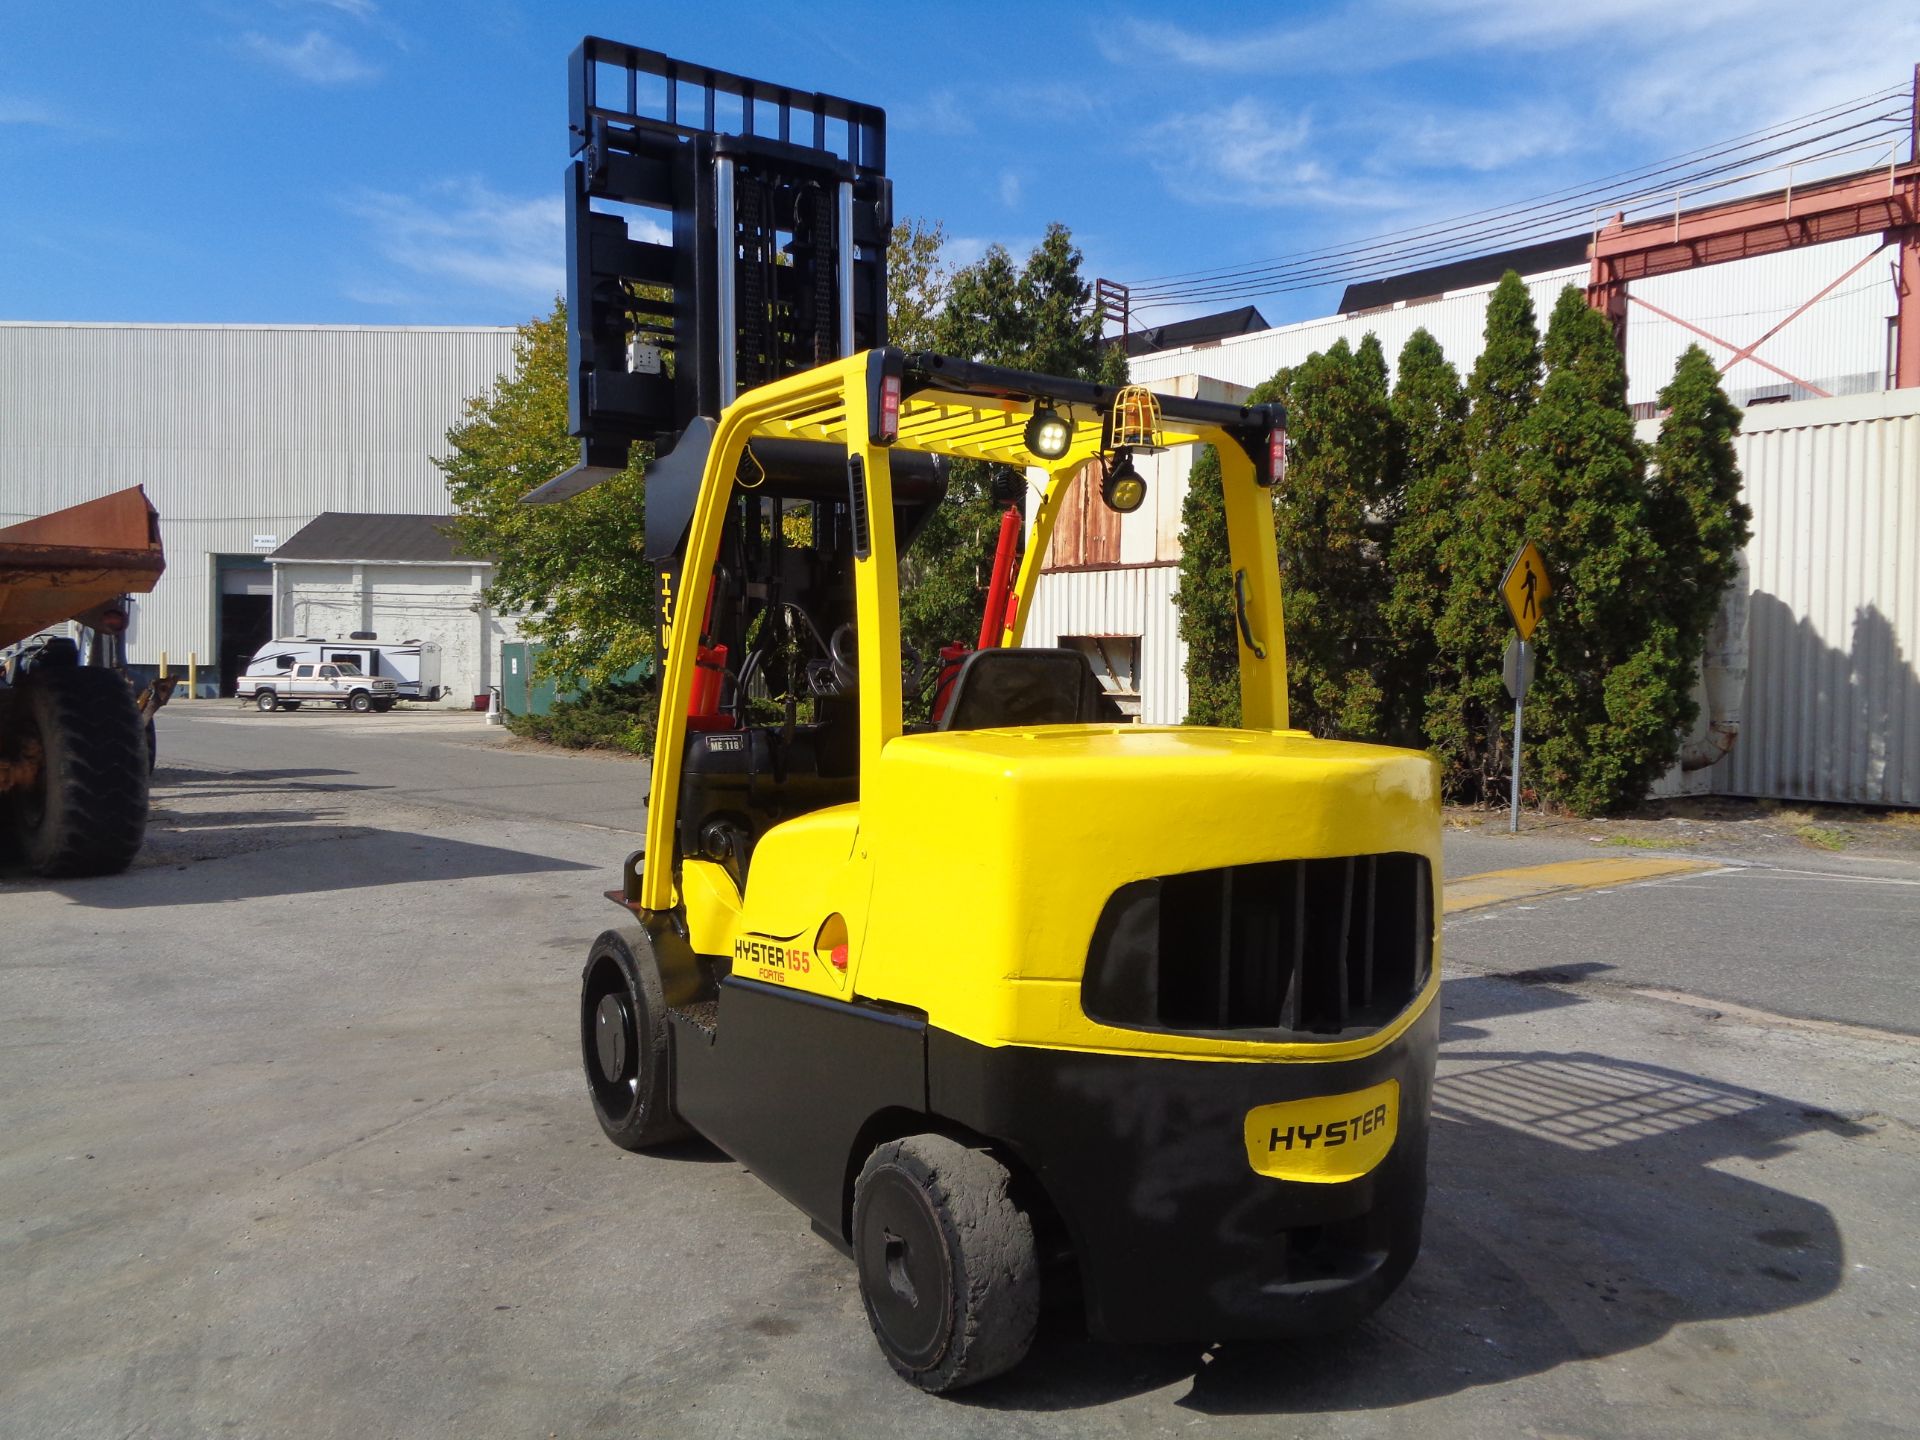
1030, 997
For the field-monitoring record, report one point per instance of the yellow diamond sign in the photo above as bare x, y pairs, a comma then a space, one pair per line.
1525, 587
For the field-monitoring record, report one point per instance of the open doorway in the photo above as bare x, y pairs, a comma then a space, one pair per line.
244, 619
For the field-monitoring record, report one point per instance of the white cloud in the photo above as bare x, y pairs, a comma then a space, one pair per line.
1482, 140
937, 113
463, 236
315, 57
1242, 152
14, 111
1010, 189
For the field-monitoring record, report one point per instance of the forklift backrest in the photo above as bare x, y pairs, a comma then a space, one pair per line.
1009, 688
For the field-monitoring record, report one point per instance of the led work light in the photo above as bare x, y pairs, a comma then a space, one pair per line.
1123, 489
1049, 433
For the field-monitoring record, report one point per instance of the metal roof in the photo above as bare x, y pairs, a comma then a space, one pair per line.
1526, 260
1197, 331
342, 535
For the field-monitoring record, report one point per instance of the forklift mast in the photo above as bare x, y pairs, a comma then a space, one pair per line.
722, 233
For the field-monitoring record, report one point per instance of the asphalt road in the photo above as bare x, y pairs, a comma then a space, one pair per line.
295, 1145
1829, 937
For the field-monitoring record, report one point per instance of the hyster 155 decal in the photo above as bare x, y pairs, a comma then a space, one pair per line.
1327, 1139
770, 957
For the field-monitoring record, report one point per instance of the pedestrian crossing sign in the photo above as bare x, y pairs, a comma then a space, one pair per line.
1525, 587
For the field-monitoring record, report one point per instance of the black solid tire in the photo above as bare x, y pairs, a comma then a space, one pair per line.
624, 1046
360, 702
382, 706
266, 701
289, 704
87, 813
949, 1271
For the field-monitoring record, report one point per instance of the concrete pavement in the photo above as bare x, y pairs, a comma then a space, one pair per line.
295, 1145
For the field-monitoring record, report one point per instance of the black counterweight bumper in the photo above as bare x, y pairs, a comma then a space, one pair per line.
1178, 1237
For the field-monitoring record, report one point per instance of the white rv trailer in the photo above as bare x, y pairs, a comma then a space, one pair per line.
412, 665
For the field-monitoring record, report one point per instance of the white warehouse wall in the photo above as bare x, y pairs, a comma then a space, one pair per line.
238, 433
1839, 344
400, 601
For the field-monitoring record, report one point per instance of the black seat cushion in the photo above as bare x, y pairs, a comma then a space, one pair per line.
1011, 689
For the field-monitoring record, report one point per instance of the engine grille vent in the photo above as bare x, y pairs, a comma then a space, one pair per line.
1288, 946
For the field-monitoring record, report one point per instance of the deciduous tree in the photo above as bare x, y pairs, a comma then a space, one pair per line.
577, 570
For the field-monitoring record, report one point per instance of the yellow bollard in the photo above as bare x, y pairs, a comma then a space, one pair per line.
193, 673
163, 664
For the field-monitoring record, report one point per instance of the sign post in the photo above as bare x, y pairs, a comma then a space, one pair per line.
1525, 587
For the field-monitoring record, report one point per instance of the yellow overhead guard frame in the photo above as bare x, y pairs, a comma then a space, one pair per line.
884, 400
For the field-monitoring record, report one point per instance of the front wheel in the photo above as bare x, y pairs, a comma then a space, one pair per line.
624, 1045
949, 1272
360, 702
266, 701
77, 734
382, 706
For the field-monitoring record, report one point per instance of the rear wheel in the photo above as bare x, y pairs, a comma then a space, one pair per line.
624, 1045
949, 1271
289, 704
360, 702
382, 706
85, 810
266, 700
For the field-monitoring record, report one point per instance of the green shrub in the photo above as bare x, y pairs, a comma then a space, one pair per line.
608, 717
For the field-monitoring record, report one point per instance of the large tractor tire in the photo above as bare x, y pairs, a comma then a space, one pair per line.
85, 812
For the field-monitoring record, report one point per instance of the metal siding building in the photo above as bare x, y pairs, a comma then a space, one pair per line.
1840, 343
241, 434
1832, 709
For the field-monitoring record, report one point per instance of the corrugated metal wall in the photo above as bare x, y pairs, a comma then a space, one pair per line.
1833, 691
1135, 600
236, 431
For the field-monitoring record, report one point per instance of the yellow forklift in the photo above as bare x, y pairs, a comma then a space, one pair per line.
1029, 996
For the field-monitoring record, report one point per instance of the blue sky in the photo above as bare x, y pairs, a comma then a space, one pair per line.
399, 162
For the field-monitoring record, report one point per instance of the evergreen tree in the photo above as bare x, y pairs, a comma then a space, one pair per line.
1469, 715
1333, 524
1701, 522
1204, 597
1430, 407
577, 569
1614, 680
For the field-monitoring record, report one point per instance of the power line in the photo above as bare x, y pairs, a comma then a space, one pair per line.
1712, 150
1362, 265
1539, 222
1701, 171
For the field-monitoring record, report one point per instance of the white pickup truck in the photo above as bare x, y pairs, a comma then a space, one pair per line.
338, 683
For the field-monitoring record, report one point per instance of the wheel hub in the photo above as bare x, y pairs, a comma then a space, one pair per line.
904, 1272
610, 1038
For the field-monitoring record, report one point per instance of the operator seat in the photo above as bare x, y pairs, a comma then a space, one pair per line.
1015, 688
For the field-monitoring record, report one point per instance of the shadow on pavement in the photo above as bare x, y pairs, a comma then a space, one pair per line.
1579, 1209
200, 784
289, 860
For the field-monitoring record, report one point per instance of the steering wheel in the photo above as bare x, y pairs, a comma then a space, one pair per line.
843, 653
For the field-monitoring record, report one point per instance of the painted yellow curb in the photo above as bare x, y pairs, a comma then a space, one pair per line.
1563, 877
